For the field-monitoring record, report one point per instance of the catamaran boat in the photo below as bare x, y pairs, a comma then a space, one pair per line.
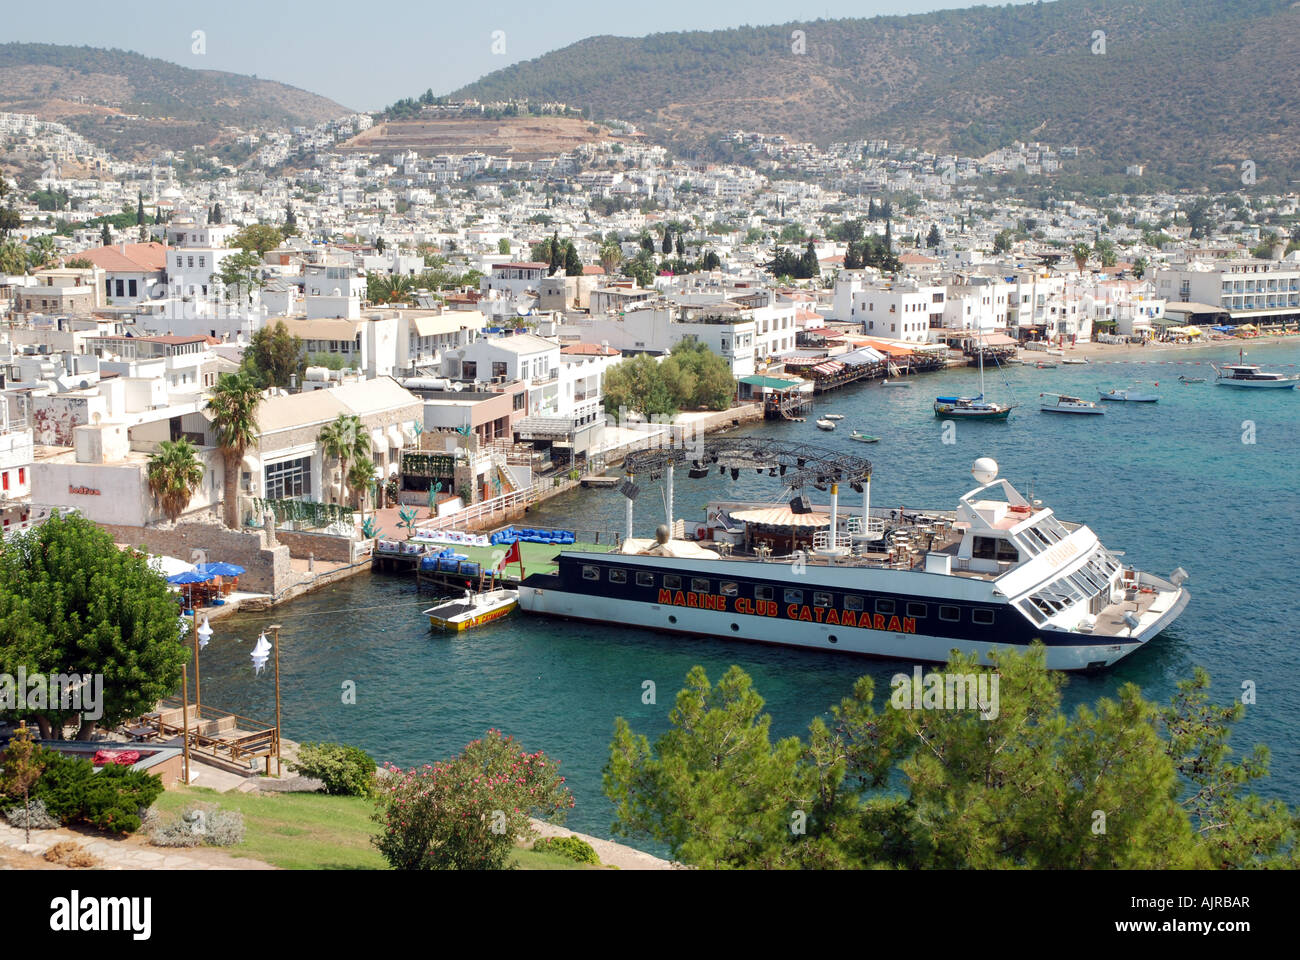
999, 572
1129, 396
473, 610
1063, 404
1249, 376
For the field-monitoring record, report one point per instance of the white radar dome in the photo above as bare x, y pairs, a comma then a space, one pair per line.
984, 470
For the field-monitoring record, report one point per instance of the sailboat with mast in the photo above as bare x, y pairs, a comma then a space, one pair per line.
973, 408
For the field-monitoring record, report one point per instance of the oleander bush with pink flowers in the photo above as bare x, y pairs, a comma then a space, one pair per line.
468, 813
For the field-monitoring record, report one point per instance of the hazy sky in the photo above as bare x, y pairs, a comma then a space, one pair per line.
366, 55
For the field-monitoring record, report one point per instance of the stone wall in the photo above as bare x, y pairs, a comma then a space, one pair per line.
267, 567
322, 546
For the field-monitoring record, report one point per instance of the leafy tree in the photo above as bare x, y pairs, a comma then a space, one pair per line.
361, 476
572, 263
41, 253
681, 246
13, 258
1140, 267
20, 767
257, 238
637, 385
1080, 251
711, 385
105, 236
1002, 242
503, 246
667, 245
710, 261
174, 474
217, 216
71, 602
233, 405
611, 255
379, 245
272, 356
139, 209
239, 272
467, 813
1011, 782
1105, 252
389, 287
290, 227
933, 238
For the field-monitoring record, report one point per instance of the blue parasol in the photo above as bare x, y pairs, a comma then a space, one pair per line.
219, 568
189, 576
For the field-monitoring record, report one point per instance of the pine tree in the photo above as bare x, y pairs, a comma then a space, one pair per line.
933, 238
105, 235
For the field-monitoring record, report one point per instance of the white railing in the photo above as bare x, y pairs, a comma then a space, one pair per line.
477, 513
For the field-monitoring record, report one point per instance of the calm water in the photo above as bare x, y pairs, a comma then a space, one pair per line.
1170, 483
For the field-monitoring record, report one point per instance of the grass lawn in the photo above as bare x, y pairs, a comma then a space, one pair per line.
313, 831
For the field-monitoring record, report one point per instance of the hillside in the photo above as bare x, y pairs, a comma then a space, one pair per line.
129, 103
1189, 87
521, 138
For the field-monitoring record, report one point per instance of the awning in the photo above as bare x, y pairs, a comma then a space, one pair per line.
781, 517
378, 441
769, 383
861, 356
829, 368
395, 438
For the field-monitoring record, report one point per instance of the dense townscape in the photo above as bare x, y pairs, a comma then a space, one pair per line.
265, 368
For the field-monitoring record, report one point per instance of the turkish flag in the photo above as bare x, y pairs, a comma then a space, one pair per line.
512, 556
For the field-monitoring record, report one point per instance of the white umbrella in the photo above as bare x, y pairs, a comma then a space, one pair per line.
261, 653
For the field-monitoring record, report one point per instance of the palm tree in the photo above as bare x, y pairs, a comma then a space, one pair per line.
360, 476
234, 423
174, 474
1080, 251
345, 439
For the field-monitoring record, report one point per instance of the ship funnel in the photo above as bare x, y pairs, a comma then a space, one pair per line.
984, 470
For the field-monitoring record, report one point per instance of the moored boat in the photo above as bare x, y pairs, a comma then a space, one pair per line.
825, 424
1128, 396
1067, 404
863, 438
472, 610
1249, 376
999, 572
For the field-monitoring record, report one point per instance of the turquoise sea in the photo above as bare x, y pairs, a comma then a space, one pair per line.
1172, 484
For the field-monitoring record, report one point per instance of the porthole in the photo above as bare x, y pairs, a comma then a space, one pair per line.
735, 627
672, 619
833, 639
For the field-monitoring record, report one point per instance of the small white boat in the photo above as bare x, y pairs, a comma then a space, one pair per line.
1128, 396
1076, 360
825, 424
895, 383
1249, 376
1191, 379
834, 416
863, 438
1045, 365
473, 610
1066, 404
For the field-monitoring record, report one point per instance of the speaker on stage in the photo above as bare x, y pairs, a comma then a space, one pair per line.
629, 489
800, 505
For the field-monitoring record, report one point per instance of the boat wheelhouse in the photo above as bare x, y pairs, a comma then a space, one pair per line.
1249, 376
1000, 571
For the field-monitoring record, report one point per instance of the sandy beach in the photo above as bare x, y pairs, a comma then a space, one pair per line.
1162, 352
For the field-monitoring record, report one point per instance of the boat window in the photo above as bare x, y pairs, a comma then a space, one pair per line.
918, 610
672, 581
1031, 610
617, 575
994, 548
590, 573
822, 600
764, 593
981, 615
699, 585
951, 614
645, 579
794, 596
852, 602
885, 606
728, 589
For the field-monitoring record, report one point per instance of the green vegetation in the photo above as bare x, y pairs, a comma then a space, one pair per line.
344, 439
692, 377
72, 602
74, 793
174, 474
570, 847
233, 406
1011, 783
273, 356
895, 75
467, 813
345, 770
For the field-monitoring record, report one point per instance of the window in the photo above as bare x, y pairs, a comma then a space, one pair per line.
853, 602
822, 600
885, 606
469, 370
994, 548
288, 479
672, 582
951, 614
6, 480
794, 596
728, 589
917, 610
617, 575
22, 476
644, 579
764, 593
981, 615
590, 573
131, 287
699, 585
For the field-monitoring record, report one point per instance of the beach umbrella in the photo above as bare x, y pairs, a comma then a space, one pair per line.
220, 568
205, 632
188, 577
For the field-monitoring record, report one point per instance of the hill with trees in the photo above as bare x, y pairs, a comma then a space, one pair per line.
126, 101
1191, 88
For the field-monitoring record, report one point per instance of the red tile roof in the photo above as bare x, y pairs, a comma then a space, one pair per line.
128, 257
588, 350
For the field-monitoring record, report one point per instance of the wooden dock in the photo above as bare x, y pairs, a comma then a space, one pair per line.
599, 480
